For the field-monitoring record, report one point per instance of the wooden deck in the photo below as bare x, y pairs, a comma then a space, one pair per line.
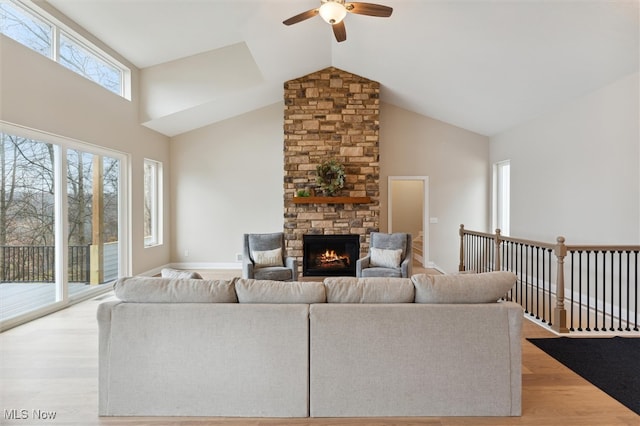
19, 298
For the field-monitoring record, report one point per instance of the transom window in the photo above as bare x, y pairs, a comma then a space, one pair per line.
34, 28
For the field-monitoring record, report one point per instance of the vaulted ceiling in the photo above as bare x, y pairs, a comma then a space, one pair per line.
484, 65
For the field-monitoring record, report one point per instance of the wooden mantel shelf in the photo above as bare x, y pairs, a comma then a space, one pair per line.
331, 200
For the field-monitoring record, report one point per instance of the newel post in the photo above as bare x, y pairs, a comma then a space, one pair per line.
461, 265
497, 253
560, 313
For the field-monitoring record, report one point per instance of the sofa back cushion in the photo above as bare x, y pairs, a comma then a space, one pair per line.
369, 290
267, 291
487, 287
167, 290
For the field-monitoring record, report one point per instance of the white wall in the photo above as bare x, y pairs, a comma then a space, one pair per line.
575, 170
227, 180
42, 95
457, 163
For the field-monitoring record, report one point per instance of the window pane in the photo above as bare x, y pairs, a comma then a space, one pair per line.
111, 208
26, 29
27, 238
78, 59
92, 194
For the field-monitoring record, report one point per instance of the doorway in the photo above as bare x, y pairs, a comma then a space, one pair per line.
408, 212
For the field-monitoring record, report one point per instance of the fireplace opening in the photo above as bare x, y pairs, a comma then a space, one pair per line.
330, 255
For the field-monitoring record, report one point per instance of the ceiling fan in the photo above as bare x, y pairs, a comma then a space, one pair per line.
334, 11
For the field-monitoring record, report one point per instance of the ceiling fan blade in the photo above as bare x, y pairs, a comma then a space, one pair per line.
301, 17
369, 9
340, 31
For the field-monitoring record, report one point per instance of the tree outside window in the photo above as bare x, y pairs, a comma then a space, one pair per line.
34, 29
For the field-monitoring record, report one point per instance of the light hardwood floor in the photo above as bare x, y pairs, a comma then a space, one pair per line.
51, 365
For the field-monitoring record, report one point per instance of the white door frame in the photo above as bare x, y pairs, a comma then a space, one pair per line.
425, 212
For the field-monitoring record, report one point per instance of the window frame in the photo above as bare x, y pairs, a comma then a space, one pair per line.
94, 52
501, 217
155, 203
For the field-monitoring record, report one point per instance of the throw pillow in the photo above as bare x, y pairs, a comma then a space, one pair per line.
487, 287
178, 274
385, 258
267, 257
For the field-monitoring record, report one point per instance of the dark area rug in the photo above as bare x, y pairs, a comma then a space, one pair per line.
611, 364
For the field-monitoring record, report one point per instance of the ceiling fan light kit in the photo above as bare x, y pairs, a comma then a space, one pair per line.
334, 11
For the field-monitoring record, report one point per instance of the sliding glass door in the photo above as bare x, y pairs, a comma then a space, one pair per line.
61, 218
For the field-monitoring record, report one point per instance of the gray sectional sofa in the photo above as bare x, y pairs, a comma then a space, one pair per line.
345, 347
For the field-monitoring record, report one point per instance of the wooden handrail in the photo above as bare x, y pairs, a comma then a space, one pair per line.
602, 248
523, 241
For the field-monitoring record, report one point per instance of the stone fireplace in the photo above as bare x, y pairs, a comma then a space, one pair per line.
331, 114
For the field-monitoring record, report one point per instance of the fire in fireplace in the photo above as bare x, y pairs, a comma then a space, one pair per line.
330, 255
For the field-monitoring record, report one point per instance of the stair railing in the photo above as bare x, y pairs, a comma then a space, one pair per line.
599, 284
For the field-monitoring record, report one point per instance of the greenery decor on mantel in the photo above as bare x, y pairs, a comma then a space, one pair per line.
330, 177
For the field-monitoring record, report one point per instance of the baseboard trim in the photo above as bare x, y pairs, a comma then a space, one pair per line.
204, 265
437, 268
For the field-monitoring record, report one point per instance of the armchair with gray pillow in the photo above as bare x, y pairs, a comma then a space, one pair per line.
264, 258
389, 256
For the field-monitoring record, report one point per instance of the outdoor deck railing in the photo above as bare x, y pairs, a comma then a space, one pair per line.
568, 287
36, 264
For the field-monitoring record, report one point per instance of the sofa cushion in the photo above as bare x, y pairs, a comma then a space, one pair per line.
266, 291
177, 273
486, 287
273, 273
265, 258
386, 258
381, 272
166, 290
369, 290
